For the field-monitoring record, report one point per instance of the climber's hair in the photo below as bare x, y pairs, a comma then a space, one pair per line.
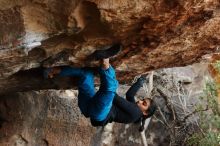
150, 111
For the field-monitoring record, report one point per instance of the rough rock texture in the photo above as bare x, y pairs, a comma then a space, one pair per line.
154, 34
157, 133
44, 33
53, 118
43, 119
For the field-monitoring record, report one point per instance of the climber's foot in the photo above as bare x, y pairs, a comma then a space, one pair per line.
107, 53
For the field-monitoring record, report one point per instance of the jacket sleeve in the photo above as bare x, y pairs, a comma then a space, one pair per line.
134, 89
126, 112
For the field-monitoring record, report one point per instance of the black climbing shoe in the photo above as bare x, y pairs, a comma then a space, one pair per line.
107, 53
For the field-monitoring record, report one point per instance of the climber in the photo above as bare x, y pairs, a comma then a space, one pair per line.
105, 106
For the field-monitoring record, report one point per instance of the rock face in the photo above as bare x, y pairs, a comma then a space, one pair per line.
43, 119
42, 33
154, 34
53, 118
